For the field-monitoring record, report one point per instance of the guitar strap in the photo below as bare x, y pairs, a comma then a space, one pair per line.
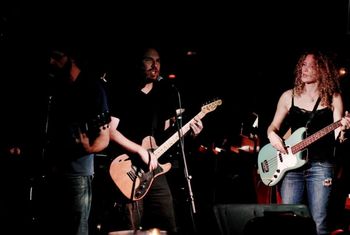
312, 114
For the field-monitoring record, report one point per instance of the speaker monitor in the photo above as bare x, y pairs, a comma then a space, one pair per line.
247, 219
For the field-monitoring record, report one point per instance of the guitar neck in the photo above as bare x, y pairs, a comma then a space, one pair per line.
176, 136
317, 135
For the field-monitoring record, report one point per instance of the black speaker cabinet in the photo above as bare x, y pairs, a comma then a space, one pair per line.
248, 219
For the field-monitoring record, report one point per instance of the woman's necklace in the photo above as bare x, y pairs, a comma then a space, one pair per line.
313, 98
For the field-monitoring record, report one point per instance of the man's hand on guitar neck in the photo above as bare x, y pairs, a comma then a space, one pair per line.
149, 158
196, 126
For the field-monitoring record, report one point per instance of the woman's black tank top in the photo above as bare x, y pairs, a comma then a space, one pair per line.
323, 148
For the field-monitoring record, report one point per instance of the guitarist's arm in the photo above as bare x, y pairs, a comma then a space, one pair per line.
280, 114
117, 137
99, 143
338, 110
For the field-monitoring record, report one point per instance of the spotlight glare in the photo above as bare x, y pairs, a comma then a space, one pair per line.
172, 76
343, 71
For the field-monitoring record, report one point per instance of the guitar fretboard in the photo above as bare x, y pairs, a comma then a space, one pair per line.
317, 135
176, 136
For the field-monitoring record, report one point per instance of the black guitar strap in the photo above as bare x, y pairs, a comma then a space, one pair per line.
312, 114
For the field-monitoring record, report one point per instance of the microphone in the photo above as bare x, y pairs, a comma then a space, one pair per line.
180, 110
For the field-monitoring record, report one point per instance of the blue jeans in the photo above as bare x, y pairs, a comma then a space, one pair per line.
70, 205
315, 182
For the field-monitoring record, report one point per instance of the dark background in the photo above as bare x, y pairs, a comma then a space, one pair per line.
244, 54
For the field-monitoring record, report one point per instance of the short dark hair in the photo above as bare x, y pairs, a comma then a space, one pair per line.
72, 50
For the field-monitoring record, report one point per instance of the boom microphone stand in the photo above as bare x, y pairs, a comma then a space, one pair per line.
38, 181
182, 146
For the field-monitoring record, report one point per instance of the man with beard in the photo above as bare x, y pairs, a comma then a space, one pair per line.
77, 127
149, 118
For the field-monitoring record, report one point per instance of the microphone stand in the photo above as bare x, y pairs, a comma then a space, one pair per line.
35, 181
188, 177
43, 151
50, 97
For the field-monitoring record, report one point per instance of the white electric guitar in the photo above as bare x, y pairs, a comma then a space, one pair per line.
273, 164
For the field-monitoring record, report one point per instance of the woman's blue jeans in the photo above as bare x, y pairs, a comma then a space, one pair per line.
311, 185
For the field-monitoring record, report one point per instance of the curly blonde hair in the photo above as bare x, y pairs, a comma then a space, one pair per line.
326, 73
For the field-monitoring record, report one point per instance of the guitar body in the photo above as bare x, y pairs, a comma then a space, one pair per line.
131, 176
273, 165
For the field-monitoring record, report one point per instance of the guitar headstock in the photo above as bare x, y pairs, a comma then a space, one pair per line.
92, 126
211, 106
